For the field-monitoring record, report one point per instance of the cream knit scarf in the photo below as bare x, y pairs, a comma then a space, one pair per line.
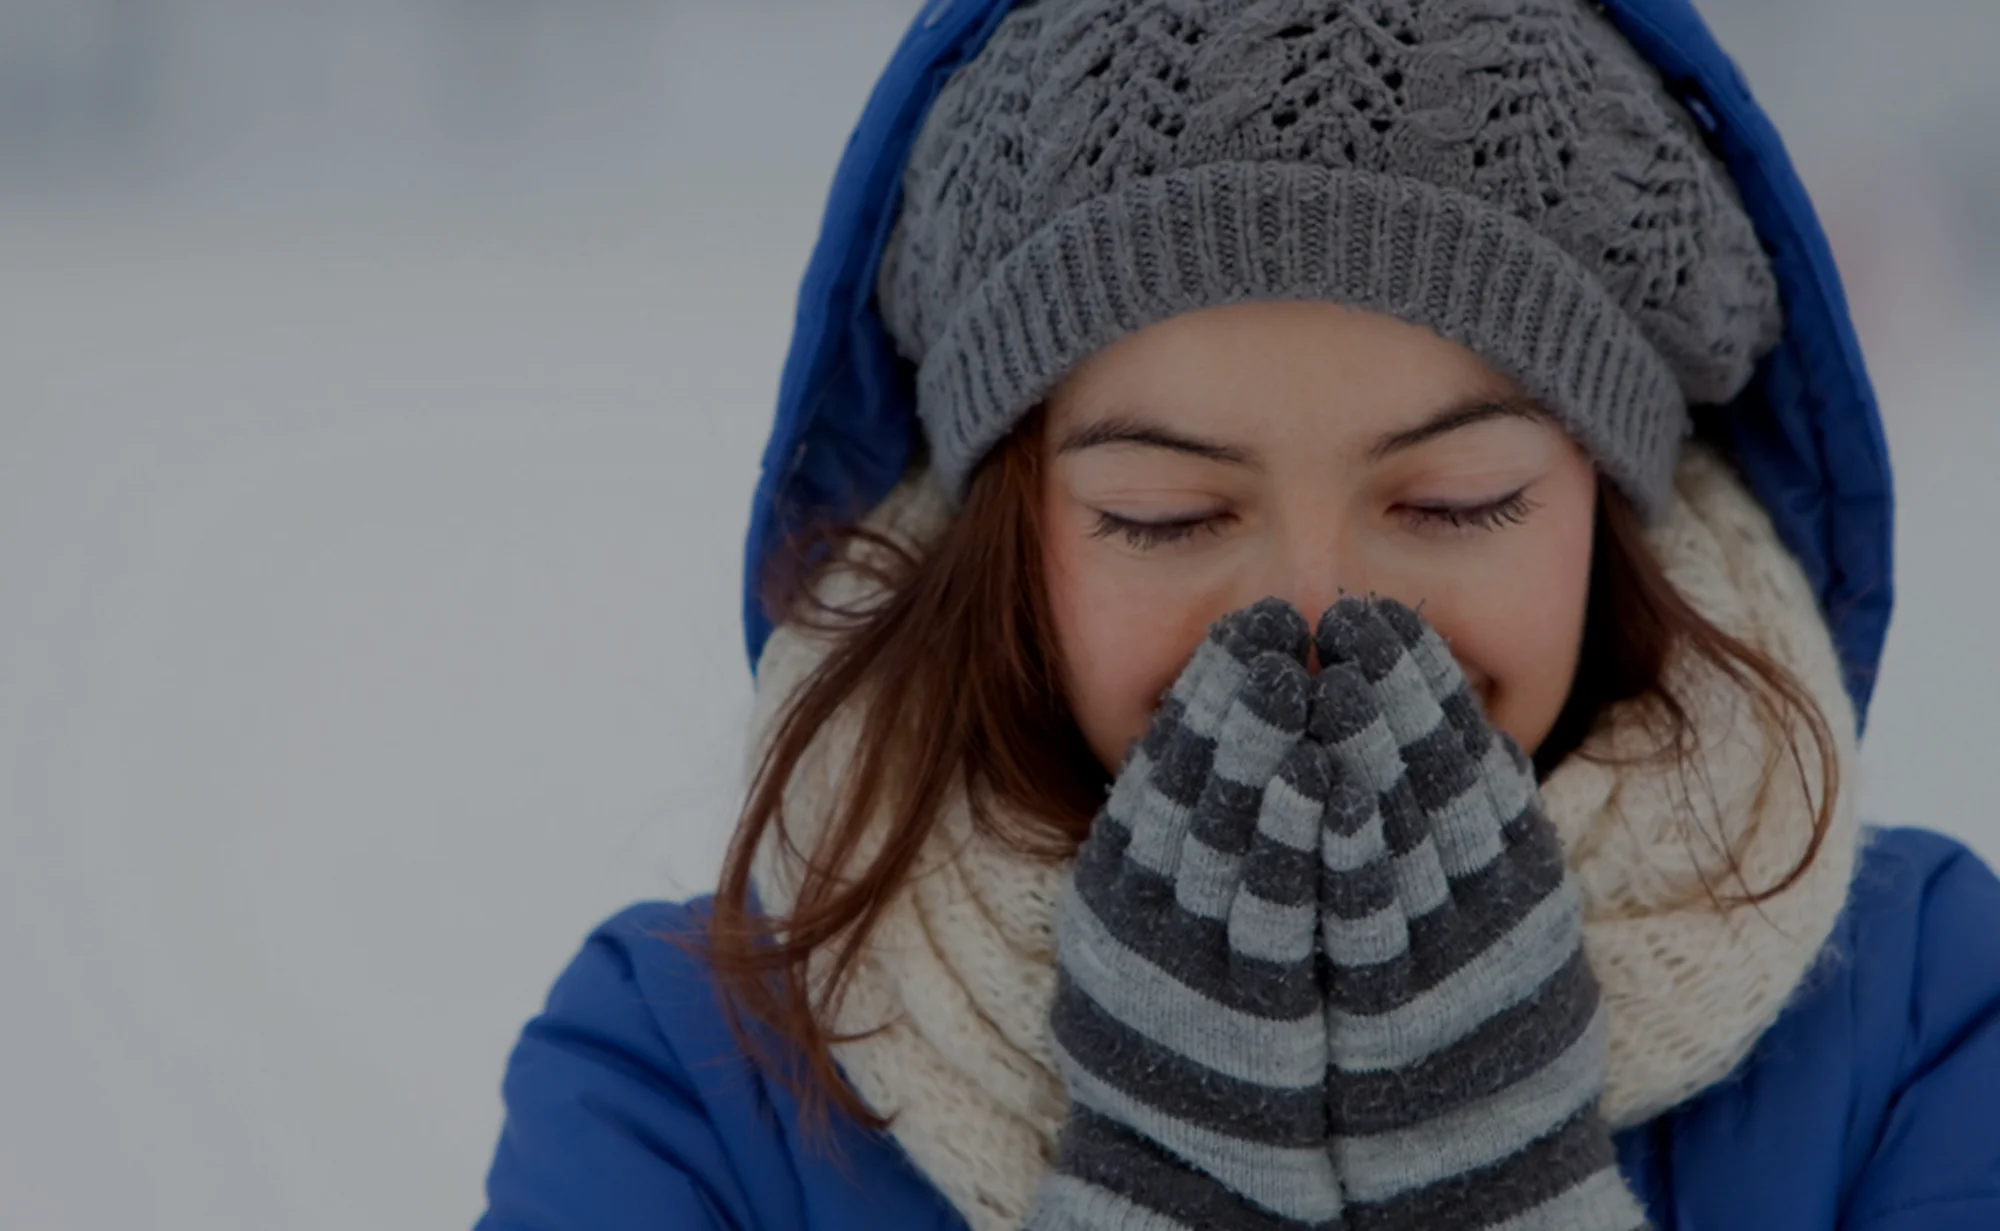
961, 968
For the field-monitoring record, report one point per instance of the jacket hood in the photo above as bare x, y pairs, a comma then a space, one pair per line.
1806, 433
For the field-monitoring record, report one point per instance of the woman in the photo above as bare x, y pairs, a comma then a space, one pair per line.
1347, 715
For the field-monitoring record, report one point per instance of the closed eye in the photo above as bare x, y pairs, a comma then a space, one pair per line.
1509, 510
1150, 534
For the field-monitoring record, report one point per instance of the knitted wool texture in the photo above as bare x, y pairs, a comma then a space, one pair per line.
1321, 965
1507, 173
961, 969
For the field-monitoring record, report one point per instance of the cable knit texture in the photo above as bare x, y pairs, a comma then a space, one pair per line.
1508, 173
961, 971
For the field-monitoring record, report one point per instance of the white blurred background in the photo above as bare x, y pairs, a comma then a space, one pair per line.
381, 387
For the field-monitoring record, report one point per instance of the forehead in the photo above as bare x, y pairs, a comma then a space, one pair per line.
1249, 369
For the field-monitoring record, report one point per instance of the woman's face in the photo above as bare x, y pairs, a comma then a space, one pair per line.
1303, 449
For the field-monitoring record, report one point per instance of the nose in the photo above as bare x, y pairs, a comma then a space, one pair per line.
1314, 574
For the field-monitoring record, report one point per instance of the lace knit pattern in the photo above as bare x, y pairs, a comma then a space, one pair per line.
1509, 173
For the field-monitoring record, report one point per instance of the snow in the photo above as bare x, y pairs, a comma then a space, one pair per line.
381, 387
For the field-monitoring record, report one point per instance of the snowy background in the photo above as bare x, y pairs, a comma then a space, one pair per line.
381, 387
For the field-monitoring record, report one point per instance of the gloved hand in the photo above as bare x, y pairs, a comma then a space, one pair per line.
1190, 1012
1466, 1038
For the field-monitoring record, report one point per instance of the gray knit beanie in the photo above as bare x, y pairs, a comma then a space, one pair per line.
1510, 174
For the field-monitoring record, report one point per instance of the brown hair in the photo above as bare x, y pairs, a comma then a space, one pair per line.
997, 722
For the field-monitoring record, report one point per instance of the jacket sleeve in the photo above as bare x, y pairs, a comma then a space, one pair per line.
604, 1129
1936, 1161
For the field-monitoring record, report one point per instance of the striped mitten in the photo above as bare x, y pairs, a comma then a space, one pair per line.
1466, 1037
1189, 1017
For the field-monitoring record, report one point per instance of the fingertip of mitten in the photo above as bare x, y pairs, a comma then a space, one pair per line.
1349, 806
1269, 625
1353, 630
1342, 704
1407, 623
1308, 770
1278, 691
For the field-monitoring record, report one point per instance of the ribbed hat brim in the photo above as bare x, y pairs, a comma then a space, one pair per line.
1226, 233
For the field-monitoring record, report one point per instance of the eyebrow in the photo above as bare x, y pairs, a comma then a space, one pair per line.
1451, 419
1130, 430
1135, 430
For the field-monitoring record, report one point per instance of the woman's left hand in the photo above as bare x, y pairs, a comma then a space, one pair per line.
1466, 1037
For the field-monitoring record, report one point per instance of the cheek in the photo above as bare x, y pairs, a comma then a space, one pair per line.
1122, 643
1519, 634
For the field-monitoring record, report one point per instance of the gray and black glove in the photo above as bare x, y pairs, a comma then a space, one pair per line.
1466, 1036
1190, 1013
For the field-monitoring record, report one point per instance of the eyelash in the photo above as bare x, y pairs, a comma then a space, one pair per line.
1509, 510
1149, 534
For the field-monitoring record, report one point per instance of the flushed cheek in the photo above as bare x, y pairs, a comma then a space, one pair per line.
1520, 657
1122, 646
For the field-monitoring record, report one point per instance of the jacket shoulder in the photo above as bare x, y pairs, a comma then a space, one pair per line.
1868, 1105
630, 1103
606, 1124
1925, 946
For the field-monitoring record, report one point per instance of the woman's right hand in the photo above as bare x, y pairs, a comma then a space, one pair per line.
1189, 1018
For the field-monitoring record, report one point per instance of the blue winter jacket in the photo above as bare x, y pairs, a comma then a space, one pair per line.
1873, 1104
